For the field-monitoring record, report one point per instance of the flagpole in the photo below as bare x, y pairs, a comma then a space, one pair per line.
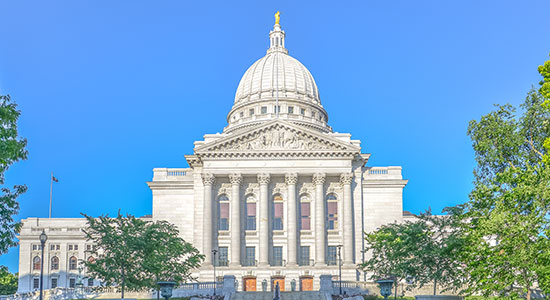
51, 188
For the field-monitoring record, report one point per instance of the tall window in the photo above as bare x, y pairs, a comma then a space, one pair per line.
304, 256
263, 110
54, 283
278, 212
72, 263
35, 283
223, 212
277, 108
332, 256
277, 256
90, 282
36, 263
305, 213
55, 263
72, 282
223, 259
250, 256
303, 111
332, 211
291, 109
250, 213
251, 112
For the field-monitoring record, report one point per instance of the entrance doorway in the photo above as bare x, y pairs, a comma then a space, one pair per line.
306, 283
280, 280
249, 284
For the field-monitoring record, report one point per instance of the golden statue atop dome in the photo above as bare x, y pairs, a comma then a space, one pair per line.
277, 17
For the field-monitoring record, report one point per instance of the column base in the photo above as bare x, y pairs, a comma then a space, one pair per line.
235, 264
263, 264
291, 264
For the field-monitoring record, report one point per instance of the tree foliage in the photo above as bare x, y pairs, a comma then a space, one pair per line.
8, 281
506, 252
134, 254
422, 251
12, 150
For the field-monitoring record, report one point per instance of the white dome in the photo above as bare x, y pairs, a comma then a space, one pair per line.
294, 80
277, 80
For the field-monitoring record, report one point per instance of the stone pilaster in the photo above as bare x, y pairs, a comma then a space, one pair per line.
236, 180
263, 253
292, 230
347, 218
208, 181
320, 216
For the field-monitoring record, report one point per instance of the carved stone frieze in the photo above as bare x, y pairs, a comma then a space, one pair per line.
319, 178
280, 188
291, 178
306, 188
334, 187
208, 179
252, 188
263, 178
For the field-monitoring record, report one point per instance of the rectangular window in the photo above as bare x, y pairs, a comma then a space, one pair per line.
224, 216
250, 256
36, 247
35, 283
263, 110
251, 112
277, 256
241, 114
291, 109
305, 216
277, 108
72, 282
278, 216
55, 247
70, 247
251, 216
332, 214
54, 283
304, 256
332, 255
303, 111
223, 259
88, 247
90, 282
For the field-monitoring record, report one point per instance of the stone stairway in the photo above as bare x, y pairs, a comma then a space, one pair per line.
284, 296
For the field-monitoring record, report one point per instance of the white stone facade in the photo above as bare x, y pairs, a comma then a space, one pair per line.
275, 181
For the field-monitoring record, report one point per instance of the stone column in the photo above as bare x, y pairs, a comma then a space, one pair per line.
235, 219
320, 216
347, 218
207, 233
292, 231
263, 253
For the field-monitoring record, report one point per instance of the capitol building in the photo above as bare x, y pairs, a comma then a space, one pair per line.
278, 194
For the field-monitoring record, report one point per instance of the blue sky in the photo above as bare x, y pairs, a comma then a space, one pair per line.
111, 89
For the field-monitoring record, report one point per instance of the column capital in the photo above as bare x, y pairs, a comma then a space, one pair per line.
236, 178
208, 178
263, 178
319, 178
346, 178
291, 178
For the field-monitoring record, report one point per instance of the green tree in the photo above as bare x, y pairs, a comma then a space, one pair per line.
393, 251
134, 254
506, 252
422, 251
167, 255
12, 150
8, 281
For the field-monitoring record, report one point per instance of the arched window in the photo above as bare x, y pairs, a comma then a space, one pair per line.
250, 212
73, 263
91, 259
332, 211
305, 213
278, 212
54, 263
36, 263
223, 212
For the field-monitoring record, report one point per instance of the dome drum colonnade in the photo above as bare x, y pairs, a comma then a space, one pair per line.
291, 227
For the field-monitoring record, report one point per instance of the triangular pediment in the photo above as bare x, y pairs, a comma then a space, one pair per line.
277, 137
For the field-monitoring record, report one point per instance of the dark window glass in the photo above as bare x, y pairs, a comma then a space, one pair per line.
303, 111
304, 256
332, 255
263, 109
72, 263
54, 283
222, 256
36, 263
277, 256
290, 109
250, 256
35, 283
90, 282
250, 216
251, 112
72, 282
55, 263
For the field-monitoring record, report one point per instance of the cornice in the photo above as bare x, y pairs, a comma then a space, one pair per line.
170, 185
385, 182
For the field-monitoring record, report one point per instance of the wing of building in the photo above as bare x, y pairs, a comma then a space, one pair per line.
275, 194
